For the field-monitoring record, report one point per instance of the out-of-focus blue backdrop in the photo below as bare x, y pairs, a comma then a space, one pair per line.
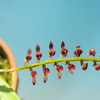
25, 23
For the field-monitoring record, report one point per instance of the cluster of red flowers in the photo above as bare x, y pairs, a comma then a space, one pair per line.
59, 68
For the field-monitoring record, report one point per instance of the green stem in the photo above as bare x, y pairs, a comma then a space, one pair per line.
53, 61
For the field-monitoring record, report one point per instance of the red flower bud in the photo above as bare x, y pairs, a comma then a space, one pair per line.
71, 66
84, 66
97, 67
59, 68
33, 73
39, 55
28, 57
52, 52
51, 45
62, 45
46, 70
64, 52
78, 51
92, 52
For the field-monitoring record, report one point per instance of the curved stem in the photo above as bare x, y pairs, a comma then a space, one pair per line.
53, 61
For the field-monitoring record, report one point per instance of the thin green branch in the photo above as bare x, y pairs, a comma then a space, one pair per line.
53, 61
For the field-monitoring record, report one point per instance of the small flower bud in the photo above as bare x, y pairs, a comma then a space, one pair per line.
51, 45
39, 55
37, 48
52, 52
97, 67
28, 57
29, 51
33, 74
92, 52
84, 66
78, 52
62, 45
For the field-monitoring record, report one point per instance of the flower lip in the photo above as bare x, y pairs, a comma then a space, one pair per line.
46, 70
28, 57
64, 52
52, 52
38, 55
71, 66
33, 73
59, 68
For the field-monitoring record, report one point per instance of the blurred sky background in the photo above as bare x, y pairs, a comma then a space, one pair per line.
25, 23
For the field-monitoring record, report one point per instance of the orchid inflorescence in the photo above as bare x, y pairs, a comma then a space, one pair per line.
59, 68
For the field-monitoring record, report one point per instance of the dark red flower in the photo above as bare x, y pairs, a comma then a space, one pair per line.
29, 51
52, 52
39, 55
59, 68
97, 67
46, 70
78, 51
28, 57
71, 66
33, 73
92, 52
64, 52
84, 66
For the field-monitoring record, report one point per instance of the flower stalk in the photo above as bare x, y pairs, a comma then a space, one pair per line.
52, 61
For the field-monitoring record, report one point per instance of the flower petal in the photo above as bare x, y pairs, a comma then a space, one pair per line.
33, 80
29, 51
51, 45
37, 48
62, 45
45, 77
59, 74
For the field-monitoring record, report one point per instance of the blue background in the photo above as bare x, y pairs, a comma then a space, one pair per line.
25, 23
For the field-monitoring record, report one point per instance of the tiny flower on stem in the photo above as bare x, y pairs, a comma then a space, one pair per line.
84, 66
51, 52
97, 67
78, 51
71, 67
33, 74
63, 50
59, 68
91, 52
38, 54
28, 57
45, 71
